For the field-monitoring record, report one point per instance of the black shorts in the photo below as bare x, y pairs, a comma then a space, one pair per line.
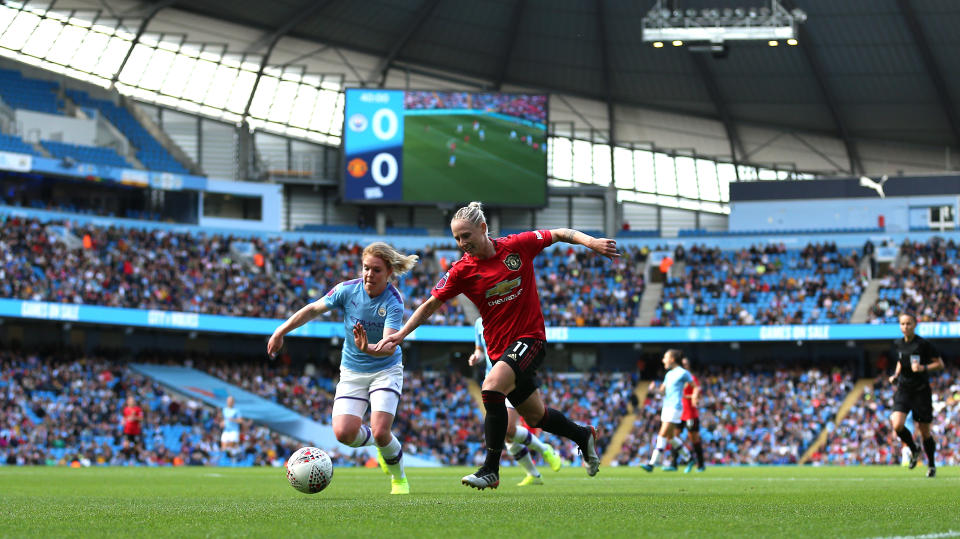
132, 438
524, 356
918, 402
692, 425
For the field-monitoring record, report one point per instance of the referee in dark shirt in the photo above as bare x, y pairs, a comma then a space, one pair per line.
915, 358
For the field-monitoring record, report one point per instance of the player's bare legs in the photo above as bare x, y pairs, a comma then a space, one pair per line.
500, 381
347, 428
667, 433
350, 430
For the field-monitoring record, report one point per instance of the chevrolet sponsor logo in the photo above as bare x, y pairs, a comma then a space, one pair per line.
503, 287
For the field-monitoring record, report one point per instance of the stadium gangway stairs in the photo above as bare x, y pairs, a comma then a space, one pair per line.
626, 425
214, 391
852, 398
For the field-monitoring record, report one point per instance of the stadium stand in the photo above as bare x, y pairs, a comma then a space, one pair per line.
771, 285
65, 407
864, 436
439, 419
150, 152
20, 92
927, 283
699, 232
598, 399
750, 416
86, 154
13, 143
761, 285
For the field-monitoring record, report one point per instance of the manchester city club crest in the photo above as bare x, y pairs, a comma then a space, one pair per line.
512, 261
382, 311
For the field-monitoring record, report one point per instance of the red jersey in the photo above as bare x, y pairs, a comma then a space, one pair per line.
503, 287
132, 426
689, 410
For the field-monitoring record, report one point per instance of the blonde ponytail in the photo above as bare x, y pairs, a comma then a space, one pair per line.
397, 261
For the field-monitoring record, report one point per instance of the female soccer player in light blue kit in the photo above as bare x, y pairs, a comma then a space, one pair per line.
373, 309
673, 383
519, 439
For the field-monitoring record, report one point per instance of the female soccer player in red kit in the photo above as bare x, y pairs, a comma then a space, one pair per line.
497, 275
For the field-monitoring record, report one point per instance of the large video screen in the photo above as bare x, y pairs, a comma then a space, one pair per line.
428, 147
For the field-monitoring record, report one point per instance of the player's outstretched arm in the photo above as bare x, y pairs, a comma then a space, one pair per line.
601, 246
298, 319
421, 315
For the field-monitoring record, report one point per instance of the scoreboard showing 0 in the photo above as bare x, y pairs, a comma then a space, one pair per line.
373, 145
428, 147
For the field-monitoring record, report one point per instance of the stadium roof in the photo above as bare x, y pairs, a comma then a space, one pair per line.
868, 69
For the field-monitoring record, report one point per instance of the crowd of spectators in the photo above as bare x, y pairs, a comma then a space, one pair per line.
925, 281
65, 408
750, 416
438, 418
864, 436
179, 271
63, 262
598, 399
528, 107
578, 288
765, 285
143, 269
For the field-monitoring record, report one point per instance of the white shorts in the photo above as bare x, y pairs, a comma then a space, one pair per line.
380, 390
671, 415
230, 437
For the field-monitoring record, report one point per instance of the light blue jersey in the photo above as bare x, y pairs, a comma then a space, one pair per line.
375, 314
673, 383
231, 417
478, 340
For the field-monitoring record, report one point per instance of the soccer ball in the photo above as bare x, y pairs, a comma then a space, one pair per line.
309, 470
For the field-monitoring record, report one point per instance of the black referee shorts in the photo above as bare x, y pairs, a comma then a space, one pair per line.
918, 402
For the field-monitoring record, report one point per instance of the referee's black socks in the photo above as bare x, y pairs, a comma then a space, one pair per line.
494, 426
930, 447
907, 437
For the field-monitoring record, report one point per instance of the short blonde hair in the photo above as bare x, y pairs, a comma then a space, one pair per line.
397, 261
471, 213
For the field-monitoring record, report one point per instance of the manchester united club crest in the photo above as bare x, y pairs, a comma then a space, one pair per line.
512, 261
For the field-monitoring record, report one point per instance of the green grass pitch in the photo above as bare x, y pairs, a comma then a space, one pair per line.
619, 502
497, 170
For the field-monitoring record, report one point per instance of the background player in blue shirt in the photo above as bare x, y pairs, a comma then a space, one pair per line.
519, 439
230, 436
372, 309
673, 383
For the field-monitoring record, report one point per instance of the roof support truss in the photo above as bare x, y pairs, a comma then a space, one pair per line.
379, 73
154, 9
518, 6
713, 90
303, 13
930, 63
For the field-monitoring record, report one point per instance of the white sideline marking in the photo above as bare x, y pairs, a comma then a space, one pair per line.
948, 533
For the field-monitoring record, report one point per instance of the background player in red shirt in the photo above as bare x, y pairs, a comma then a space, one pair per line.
690, 419
132, 426
497, 276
